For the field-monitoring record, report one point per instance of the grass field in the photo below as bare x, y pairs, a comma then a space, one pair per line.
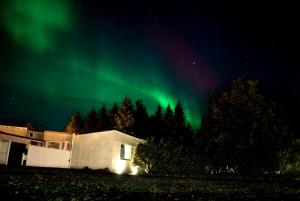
59, 184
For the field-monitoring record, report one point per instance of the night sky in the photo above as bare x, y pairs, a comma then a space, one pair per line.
59, 56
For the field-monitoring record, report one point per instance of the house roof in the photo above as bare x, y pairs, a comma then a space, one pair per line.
110, 132
1, 132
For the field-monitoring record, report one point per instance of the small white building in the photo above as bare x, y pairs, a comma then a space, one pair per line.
108, 149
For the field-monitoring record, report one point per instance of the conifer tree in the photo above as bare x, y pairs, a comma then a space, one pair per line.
124, 119
156, 122
141, 120
75, 124
90, 124
103, 119
168, 122
113, 112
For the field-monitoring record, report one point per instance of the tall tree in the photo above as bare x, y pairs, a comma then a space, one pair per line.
113, 112
168, 122
103, 119
75, 124
90, 124
158, 113
183, 132
141, 120
124, 118
243, 130
156, 122
179, 122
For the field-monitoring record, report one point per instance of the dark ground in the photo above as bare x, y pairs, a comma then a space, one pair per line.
62, 184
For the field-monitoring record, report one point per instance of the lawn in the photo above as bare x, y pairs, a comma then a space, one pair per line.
60, 184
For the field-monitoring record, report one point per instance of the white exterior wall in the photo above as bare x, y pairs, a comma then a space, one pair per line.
102, 150
4, 151
47, 157
20, 131
119, 165
92, 150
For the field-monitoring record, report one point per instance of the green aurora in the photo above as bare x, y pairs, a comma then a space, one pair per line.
56, 65
33, 23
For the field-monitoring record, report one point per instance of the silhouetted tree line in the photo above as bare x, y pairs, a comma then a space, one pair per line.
242, 132
135, 120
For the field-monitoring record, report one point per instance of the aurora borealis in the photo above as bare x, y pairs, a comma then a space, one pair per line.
58, 57
33, 23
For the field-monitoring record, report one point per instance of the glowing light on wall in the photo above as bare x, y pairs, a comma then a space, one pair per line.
134, 170
120, 166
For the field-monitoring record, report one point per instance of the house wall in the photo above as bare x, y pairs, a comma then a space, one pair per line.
20, 131
4, 150
120, 165
92, 150
47, 157
102, 150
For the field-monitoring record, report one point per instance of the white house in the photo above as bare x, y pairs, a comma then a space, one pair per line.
108, 149
99, 150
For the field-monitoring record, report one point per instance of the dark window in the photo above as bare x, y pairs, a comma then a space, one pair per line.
30, 135
54, 145
122, 152
125, 152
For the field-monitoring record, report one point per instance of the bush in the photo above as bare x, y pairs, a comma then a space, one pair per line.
167, 158
290, 158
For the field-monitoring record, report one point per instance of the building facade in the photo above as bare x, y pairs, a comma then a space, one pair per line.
112, 149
